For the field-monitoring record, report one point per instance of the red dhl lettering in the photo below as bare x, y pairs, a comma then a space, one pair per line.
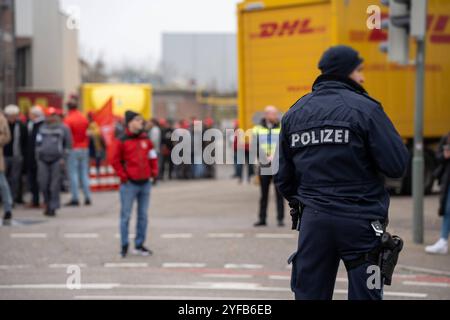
286, 28
436, 27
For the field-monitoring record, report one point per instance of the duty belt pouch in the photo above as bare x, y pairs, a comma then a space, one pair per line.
385, 255
390, 251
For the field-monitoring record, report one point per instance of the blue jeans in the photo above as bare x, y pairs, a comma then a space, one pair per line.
6, 193
78, 167
128, 193
198, 170
445, 231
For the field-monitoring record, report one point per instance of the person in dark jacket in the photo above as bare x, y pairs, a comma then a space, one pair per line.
53, 143
336, 146
443, 174
37, 118
136, 163
5, 192
166, 149
15, 151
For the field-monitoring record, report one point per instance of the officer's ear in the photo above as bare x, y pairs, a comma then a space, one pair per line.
358, 74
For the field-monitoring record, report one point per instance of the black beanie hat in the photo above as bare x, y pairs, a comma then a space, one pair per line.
129, 116
340, 60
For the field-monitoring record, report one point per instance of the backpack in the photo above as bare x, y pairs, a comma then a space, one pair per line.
50, 144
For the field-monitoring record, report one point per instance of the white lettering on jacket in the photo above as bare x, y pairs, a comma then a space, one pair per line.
316, 137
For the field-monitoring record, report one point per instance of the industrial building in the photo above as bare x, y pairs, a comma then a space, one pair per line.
46, 49
205, 61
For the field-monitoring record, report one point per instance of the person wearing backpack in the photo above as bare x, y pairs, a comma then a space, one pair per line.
53, 143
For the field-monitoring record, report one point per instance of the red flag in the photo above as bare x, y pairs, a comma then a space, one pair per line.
105, 119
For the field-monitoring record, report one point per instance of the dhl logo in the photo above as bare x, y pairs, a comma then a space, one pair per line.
436, 27
286, 28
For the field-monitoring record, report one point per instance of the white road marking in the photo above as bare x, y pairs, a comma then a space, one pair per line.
424, 270
405, 276
392, 294
11, 267
225, 235
275, 236
130, 236
426, 284
229, 285
29, 235
86, 286
242, 266
405, 294
287, 278
183, 265
176, 236
340, 291
165, 298
210, 286
81, 235
232, 286
65, 265
228, 276
126, 265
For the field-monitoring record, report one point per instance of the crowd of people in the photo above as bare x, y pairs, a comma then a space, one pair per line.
48, 151
161, 133
41, 151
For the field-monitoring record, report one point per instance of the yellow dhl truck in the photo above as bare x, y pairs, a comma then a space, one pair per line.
281, 41
135, 97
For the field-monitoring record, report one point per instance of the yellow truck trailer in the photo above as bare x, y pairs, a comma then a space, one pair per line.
135, 97
280, 43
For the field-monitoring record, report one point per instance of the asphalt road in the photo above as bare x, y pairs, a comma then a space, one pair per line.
205, 247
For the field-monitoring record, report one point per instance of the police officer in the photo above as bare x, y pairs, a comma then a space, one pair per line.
266, 138
336, 145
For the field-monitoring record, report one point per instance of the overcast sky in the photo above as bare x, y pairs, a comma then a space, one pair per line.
129, 31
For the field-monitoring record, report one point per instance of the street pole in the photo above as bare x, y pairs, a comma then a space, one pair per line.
418, 159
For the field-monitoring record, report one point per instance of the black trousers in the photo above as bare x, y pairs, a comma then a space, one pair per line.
265, 182
324, 240
33, 184
166, 161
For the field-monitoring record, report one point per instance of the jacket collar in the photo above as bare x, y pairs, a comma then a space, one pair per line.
329, 79
274, 125
134, 135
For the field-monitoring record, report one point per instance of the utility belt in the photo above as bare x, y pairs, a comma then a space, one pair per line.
385, 255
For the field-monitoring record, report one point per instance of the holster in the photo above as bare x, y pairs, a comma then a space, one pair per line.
390, 251
385, 256
296, 214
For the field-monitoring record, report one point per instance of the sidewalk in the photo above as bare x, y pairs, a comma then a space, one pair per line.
413, 255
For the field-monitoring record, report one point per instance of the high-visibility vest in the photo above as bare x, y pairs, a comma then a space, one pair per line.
267, 139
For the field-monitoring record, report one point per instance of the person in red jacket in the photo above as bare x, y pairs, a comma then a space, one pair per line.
136, 163
78, 162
